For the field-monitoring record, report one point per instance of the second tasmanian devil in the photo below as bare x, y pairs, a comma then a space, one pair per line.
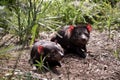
50, 52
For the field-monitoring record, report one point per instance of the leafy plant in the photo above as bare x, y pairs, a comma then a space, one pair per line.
40, 64
29, 17
4, 14
68, 13
25, 17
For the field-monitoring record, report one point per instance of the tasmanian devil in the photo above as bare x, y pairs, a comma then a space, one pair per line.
73, 38
50, 52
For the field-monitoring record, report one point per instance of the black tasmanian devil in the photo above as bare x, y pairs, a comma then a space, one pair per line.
73, 38
51, 52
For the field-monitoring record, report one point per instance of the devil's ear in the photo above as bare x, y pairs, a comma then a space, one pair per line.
89, 27
40, 49
68, 32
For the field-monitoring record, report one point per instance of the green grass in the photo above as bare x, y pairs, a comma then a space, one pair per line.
28, 15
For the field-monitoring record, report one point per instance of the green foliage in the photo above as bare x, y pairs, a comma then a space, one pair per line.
34, 32
40, 64
4, 14
26, 15
100, 14
66, 12
117, 53
7, 2
107, 16
29, 17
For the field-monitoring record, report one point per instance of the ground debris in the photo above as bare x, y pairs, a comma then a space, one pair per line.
100, 64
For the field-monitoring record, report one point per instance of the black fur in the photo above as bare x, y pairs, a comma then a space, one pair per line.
75, 41
51, 53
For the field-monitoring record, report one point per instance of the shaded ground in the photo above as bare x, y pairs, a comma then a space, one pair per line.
100, 64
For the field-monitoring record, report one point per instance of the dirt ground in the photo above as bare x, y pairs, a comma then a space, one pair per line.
101, 62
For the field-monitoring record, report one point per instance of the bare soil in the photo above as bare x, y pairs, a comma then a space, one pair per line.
101, 63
